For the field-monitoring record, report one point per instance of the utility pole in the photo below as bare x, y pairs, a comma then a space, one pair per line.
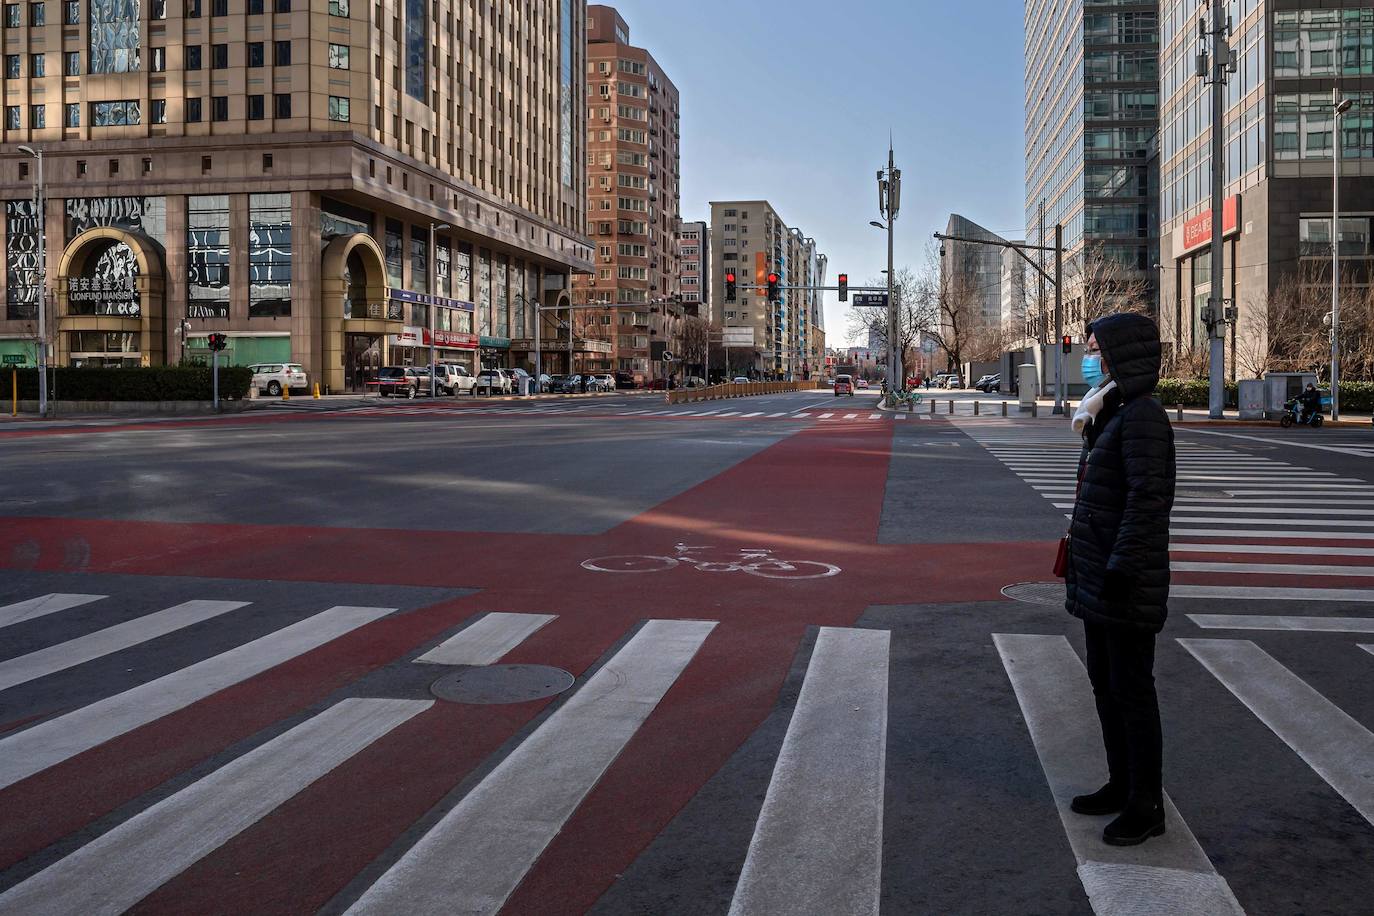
1058, 318
889, 202
1040, 322
1340, 107
1216, 71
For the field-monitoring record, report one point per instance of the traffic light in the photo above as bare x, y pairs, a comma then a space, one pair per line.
1068, 343
773, 288
219, 341
730, 287
844, 287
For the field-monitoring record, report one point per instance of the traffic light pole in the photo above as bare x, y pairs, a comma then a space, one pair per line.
214, 374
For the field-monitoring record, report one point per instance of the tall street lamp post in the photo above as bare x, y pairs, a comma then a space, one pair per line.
433, 311
40, 206
889, 202
1341, 106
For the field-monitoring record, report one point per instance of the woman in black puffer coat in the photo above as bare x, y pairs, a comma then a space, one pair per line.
1118, 569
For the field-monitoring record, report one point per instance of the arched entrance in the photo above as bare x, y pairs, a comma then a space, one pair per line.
111, 287
356, 315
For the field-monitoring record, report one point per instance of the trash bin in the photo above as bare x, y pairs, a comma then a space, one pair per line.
524, 386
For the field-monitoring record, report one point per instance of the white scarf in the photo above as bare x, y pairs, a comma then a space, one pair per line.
1090, 405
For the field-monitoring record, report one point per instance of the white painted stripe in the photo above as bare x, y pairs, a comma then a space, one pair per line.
801, 416
116, 870
1338, 748
38, 607
1270, 533
899, 416
729, 413
1261, 593
1052, 687
111, 639
825, 416
1305, 624
757, 413
1289, 510
707, 413
1354, 499
35, 749
775, 415
851, 416
471, 860
818, 844
486, 640
875, 416
1274, 569
1273, 548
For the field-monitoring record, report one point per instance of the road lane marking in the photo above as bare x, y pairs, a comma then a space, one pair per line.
1333, 522
1052, 688
758, 413
775, 415
1367, 647
729, 413
851, 416
55, 740
818, 843
1303, 624
825, 416
43, 605
116, 870
475, 856
74, 652
1339, 749
1263, 593
1274, 548
1274, 569
801, 416
486, 640
1270, 533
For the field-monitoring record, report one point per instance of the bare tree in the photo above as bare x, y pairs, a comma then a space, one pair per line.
1097, 284
694, 341
916, 312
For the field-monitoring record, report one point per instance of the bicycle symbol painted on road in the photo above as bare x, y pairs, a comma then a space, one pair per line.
755, 561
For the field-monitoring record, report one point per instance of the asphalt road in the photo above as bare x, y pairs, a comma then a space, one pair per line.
242, 660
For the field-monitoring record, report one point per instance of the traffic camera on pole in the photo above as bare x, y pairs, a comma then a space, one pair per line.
844, 287
773, 288
730, 287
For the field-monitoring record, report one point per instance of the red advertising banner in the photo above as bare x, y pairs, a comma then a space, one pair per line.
453, 339
760, 271
1198, 230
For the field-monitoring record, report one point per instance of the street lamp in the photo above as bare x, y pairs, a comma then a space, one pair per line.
1341, 106
39, 206
432, 282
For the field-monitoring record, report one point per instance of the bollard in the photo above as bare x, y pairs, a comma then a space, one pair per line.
1035, 410
14, 393
932, 407
1180, 413
286, 392
951, 408
315, 391
1004, 408
976, 405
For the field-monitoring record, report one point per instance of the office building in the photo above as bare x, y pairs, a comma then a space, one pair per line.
973, 271
280, 171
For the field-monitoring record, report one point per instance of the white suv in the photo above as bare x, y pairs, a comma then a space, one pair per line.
454, 379
273, 377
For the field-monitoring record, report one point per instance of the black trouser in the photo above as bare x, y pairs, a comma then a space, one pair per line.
1121, 667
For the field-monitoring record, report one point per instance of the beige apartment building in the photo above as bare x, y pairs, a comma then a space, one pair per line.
633, 203
694, 269
782, 340
338, 184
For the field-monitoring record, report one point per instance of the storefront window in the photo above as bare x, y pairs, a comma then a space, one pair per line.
419, 259
207, 256
115, 37
395, 266
96, 349
21, 261
269, 255
484, 293
499, 296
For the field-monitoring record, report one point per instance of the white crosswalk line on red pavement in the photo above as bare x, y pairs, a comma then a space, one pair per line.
116, 870
54, 740
484, 641
74, 652
1172, 872
1338, 748
471, 860
38, 607
1259, 622
818, 844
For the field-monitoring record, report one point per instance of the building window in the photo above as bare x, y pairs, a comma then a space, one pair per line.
159, 110
281, 105
282, 6
115, 39
419, 259
71, 63
37, 65
11, 66
207, 256
254, 7
338, 57
21, 260
269, 255
71, 12
158, 10
219, 57
338, 8
192, 111
71, 114
256, 108
393, 251
256, 57
12, 20
192, 9
417, 48
338, 108
38, 117
281, 54
219, 108
219, 7
38, 14
193, 57
114, 114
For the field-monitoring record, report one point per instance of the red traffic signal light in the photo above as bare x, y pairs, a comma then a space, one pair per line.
730, 286
844, 287
1068, 343
772, 287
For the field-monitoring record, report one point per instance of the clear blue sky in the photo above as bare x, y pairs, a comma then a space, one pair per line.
800, 113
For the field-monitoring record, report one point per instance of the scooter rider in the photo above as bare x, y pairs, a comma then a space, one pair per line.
1311, 401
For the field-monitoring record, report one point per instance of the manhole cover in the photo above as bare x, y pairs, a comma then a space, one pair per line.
1204, 494
501, 684
1050, 594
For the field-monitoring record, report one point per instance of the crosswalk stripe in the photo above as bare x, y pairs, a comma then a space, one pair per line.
801, 416
1261, 593
899, 416
1305, 624
817, 847
1271, 533
115, 871
486, 640
1332, 522
1338, 748
1275, 569
755, 414
1367, 647
1273, 548
772, 416
47, 743
1052, 688
851, 416
45, 604
729, 413
825, 416
477, 853
74, 652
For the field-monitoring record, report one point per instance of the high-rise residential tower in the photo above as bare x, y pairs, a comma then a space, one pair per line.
329, 182
694, 269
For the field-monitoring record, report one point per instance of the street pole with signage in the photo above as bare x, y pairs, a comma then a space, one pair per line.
1221, 66
1339, 107
432, 282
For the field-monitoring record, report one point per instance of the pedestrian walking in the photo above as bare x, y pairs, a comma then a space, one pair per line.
1117, 569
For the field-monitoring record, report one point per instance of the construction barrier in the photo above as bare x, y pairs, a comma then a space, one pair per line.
733, 390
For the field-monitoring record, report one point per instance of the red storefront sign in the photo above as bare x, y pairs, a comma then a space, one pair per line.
1198, 230
454, 340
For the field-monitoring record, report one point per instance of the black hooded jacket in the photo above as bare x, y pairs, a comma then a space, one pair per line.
1118, 570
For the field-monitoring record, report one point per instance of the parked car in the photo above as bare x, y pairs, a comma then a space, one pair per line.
624, 380
694, 381
514, 375
844, 385
989, 383
568, 384
492, 381
861, 384
952, 381
543, 383
401, 381
454, 379
273, 377
739, 380
606, 382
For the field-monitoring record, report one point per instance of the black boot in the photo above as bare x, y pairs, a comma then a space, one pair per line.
1137, 823
1109, 799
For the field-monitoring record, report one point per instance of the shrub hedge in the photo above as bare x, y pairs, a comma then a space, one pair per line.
1193, 392
148, 383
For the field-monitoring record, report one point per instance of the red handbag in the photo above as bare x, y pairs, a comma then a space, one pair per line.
1061, 559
